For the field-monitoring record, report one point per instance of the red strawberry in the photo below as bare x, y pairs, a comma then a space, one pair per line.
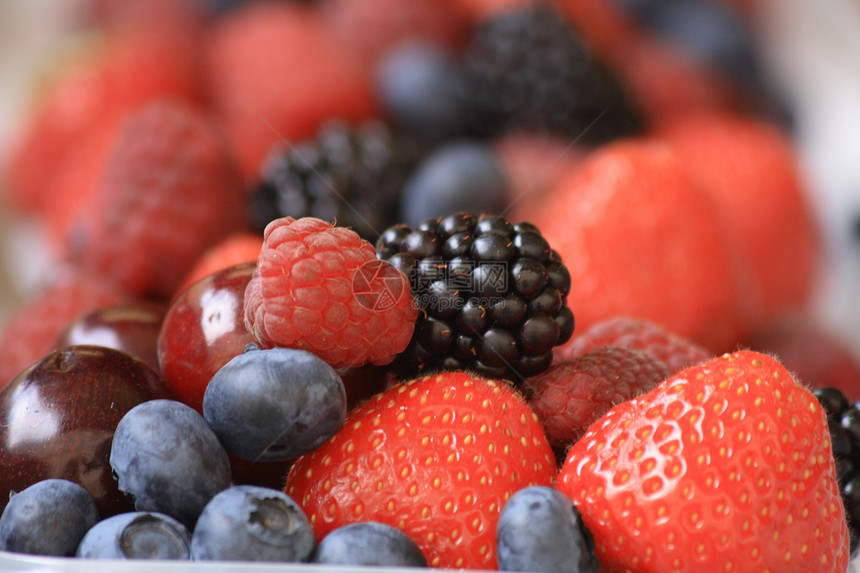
666, 82
321, 288
640, 239
675, 351
119, 74
816, 355
753, 174
368, 28
169, 190
573, 393
275, 72
436, 457
533, 164
604, 26
239, 248
726, 466
478, 10
29, 333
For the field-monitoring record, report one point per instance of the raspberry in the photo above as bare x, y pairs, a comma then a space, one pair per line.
32, 329
170, 189
573, 393
673, 349
86, 90
321, 288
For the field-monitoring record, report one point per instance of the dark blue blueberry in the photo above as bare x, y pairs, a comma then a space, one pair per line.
419, 85
48, 518
539, 529
252, 523
223, 7
275, 404
369, 543
137, 535
168, 460
458, 176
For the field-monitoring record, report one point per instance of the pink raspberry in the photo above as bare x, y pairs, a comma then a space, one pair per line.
321, 288
573, 393
32, 329
169, 190
675, 350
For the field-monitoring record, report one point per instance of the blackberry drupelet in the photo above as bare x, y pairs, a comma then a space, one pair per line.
349, 175
528, 69
493, 295
843, 421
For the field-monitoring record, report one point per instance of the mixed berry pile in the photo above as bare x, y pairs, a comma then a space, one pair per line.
475, 284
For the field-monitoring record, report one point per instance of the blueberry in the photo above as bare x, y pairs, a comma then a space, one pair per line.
137, 535
168, 460
539, 529
275, 404
252, 523
420, 86
48, 518
369, 543
463, 175
711, 30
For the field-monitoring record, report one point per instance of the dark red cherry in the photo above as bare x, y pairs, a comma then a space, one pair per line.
132, 328
58, 416
203, 329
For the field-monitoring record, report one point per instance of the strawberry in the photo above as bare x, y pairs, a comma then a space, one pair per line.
752, 172
106, 80
436, 457
816, 354
478, 10
726, 466
639, 238
666, 82
276, 72
533, 163
368, 28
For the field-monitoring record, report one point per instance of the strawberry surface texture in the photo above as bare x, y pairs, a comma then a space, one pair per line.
726, 466
436, 457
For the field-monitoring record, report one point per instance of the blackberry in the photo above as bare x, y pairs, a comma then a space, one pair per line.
493, 295
843, 421
350, 175
528, 69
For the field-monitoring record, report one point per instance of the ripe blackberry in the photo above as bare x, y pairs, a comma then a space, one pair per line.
843, 421
528, 69
493, 295
351, 175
